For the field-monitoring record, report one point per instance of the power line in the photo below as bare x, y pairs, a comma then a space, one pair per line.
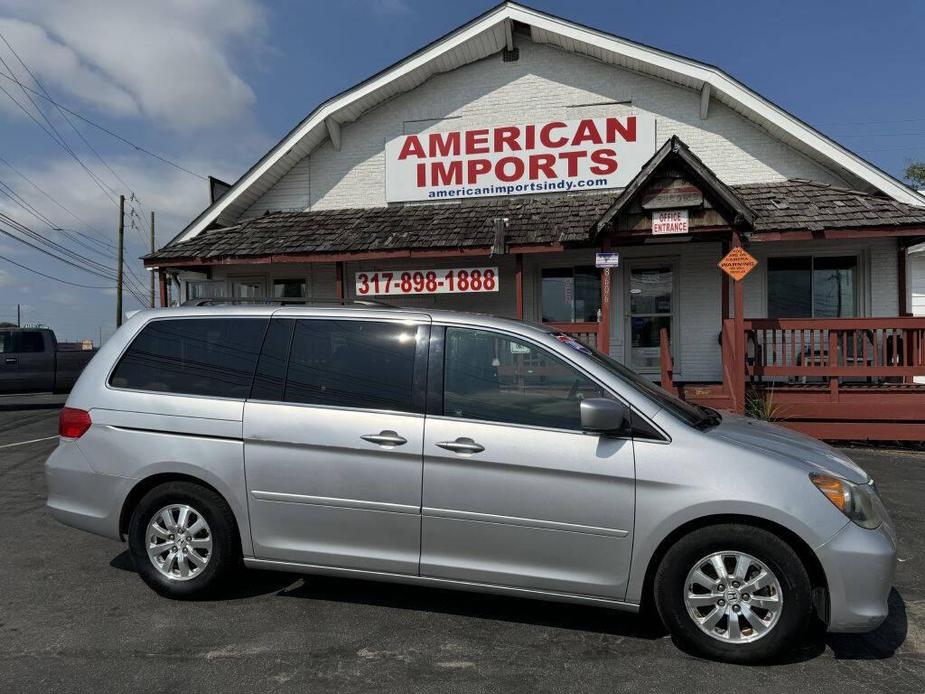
54, 133
64, 115
56, 279
70, 257
109, 132
69, 234
872, 122
54, 201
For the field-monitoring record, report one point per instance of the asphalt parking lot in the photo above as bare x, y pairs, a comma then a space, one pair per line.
75, 617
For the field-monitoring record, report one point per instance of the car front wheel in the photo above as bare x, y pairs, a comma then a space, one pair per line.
734, 592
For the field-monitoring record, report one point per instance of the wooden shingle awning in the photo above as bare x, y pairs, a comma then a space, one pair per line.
792, 209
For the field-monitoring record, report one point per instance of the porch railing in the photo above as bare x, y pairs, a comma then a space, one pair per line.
585, 333
871, 348
827, 351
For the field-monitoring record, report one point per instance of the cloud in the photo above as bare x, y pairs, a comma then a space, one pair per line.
175, 196
170, 61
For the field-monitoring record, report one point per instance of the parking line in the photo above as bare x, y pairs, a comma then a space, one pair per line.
23, 443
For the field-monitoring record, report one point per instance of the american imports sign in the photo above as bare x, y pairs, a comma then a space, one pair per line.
547, 157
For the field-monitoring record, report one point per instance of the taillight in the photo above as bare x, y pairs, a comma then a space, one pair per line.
73, 423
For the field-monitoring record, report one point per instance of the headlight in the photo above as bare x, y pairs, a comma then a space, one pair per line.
859, 502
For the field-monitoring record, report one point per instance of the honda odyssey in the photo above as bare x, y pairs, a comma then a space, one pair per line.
461, 451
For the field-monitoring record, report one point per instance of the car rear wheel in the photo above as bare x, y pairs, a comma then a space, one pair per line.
734, 592
183, 540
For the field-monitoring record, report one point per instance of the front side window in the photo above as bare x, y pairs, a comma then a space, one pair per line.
571, 295
812, 287
193, 356
491, 377
352, 363
6, 342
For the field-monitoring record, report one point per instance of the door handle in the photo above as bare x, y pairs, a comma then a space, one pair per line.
10, 360
385, 438
461, 445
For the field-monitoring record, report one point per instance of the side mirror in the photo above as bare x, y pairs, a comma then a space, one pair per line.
603, 416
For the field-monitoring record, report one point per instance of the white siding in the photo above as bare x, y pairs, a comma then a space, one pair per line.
698, 305
546, 83
916, 276
878, 293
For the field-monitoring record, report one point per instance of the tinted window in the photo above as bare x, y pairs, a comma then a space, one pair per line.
271, 369
494, 378
570, 294
288, 289
30, 341
6, 342
195, 356
803, 287
352, 364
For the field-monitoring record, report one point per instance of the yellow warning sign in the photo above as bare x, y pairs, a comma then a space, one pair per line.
737, 263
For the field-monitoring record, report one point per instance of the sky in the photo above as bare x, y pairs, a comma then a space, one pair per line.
211, 85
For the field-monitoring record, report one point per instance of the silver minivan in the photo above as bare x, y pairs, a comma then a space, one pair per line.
461, 451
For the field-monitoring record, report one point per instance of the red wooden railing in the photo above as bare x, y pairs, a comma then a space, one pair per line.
835, 347
665, 360
804, 350
585, 333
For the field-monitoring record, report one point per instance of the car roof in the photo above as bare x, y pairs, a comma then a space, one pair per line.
349, 310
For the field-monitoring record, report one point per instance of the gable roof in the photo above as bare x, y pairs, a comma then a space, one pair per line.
672, 152
489, 33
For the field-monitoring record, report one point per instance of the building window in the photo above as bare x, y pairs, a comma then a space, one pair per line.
571, 295
812, 287
206, 289
289, 289
248, 289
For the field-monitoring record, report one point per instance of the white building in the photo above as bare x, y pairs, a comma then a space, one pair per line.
458, 157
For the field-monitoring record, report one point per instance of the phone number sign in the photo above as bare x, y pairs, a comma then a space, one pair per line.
412, 282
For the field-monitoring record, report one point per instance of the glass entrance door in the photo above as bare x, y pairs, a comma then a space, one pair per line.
651, 308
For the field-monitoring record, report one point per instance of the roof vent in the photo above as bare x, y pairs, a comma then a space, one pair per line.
779, 204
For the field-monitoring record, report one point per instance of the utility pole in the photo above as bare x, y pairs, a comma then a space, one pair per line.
18, 315
119, 278
152, 250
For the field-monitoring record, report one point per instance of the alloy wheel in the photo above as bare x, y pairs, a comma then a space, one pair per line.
179, 542
733, 597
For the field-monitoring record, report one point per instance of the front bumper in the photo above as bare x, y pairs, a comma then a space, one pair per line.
859, 565
80, 497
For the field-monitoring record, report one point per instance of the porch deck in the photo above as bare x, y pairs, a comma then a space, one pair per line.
839, 379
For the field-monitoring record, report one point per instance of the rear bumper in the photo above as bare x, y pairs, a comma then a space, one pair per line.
81, 498
859, 566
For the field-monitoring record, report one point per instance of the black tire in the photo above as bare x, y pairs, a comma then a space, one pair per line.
224, 558
776, 554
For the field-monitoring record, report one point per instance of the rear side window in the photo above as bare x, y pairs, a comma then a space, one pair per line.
30, 341
364, 364
193, 356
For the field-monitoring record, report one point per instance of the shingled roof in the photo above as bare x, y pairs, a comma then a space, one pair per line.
798, 204
793, 205
533, 220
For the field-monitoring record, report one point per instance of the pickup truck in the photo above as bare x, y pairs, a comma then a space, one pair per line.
31, 362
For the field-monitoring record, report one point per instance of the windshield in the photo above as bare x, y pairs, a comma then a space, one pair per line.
694, 415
